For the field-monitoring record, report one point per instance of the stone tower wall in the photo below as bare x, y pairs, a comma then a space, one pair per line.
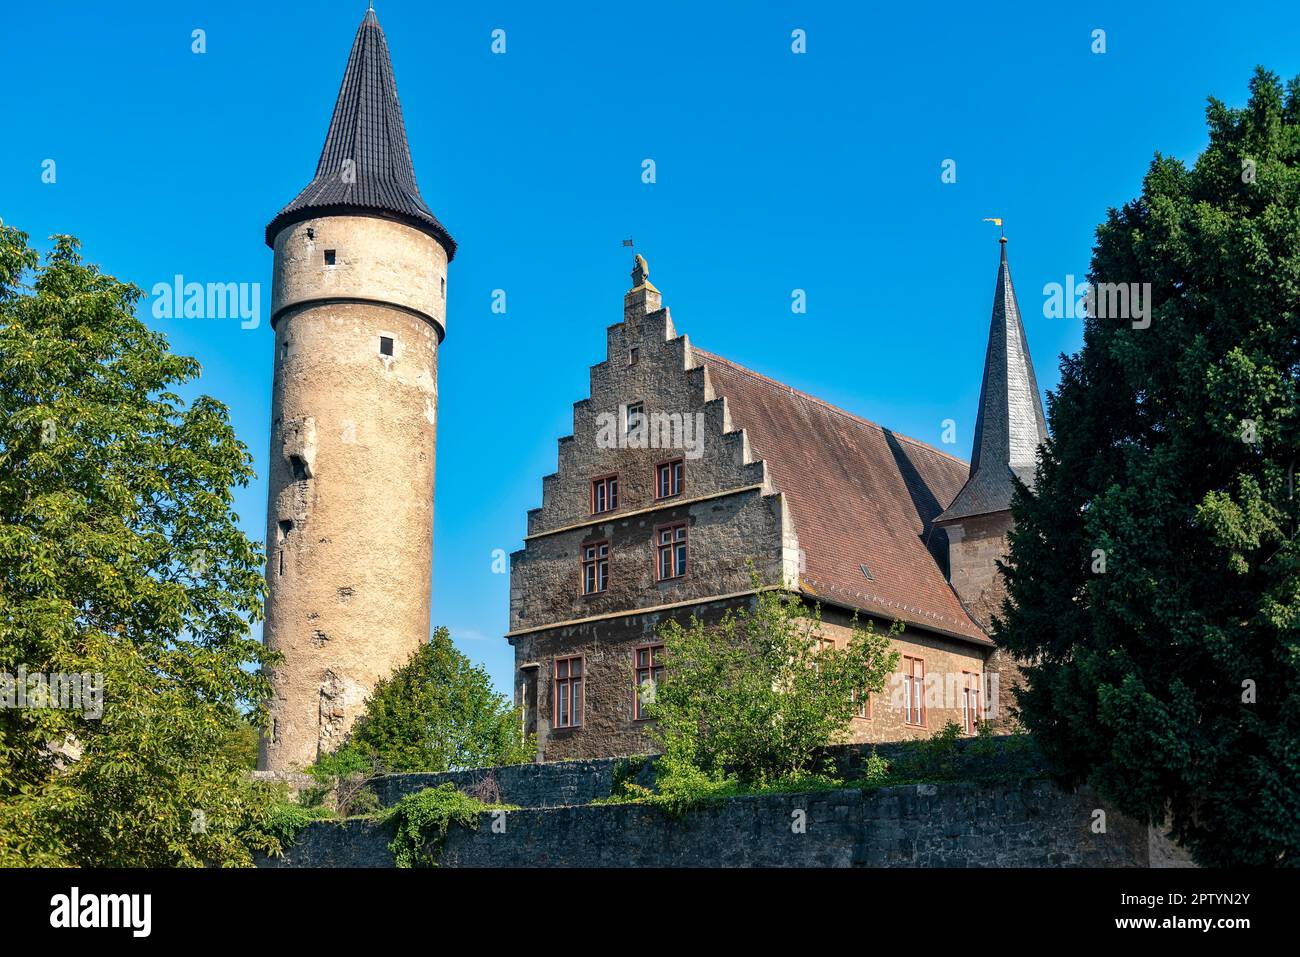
351, 470
975, 545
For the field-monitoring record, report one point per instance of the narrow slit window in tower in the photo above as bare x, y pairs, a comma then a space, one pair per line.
299, 467
286, 526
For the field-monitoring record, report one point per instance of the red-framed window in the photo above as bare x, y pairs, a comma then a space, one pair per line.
970, 702
595, 567
668, 478
670, 541
568, 697
914, 691
647, 670
604, 494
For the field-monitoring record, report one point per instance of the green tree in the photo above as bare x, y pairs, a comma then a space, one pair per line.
438, 712
759, 695
1154, 575
119, 557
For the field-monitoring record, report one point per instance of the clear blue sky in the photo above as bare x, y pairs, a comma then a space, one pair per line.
775, 171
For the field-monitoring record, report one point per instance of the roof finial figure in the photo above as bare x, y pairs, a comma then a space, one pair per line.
640, 271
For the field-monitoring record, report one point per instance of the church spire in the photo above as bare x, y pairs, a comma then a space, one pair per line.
365, 166
1010, 425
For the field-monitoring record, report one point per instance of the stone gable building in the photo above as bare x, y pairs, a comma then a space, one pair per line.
683, 467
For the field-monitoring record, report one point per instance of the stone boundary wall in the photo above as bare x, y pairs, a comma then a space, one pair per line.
1030, 824
564, 783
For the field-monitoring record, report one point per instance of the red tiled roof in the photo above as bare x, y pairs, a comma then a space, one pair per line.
859, 495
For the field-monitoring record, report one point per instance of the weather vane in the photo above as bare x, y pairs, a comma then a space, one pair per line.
996, 221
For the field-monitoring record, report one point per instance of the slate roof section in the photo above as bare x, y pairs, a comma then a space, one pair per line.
859, 494
368, 130
1010, 425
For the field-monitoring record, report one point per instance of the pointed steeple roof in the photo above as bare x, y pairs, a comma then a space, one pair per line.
365, 166
1010, 425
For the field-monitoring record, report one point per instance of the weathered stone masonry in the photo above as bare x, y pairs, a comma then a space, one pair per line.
359, 311
937, 825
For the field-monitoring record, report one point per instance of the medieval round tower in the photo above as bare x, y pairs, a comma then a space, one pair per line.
359, 299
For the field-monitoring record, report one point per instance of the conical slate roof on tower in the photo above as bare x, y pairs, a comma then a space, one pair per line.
365, 166
1010, 425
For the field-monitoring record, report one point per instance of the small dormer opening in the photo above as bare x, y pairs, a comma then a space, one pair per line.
866, 573
385, 346
329, 257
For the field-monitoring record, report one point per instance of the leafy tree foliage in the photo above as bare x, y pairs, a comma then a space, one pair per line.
438, 712
1154, 575
758, 696
120, 557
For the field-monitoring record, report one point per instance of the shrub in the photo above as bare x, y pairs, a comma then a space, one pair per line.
758, 697
421, 821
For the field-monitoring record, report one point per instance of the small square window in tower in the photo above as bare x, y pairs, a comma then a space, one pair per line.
633, 355
385, 346
329, 257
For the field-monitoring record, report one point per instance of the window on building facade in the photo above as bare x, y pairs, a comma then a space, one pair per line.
649, 671
633, 355
668, 478
595, 567
635, 416
568, 692
970, 702
861, 704
604, 494
671, 541
385, 346
914, 691
823, 645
